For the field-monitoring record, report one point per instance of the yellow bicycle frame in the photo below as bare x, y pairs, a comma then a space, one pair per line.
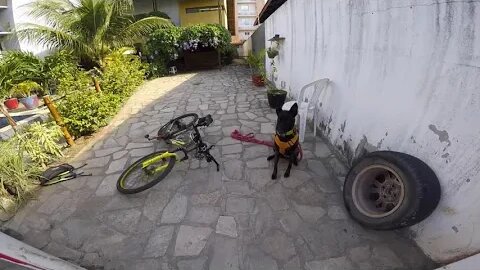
165, 155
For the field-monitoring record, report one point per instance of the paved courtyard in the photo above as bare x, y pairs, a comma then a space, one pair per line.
198, 218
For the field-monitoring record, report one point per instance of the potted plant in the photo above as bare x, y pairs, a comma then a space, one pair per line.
276, 97
10, 102
257, 66
27, 91
272, 52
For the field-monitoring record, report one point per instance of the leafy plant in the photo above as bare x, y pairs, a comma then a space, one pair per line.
122, 74
90, 29
257, 62
272, 52
204, 36
160, 48
25, 89
40, 142
16, 67
85, 112
16, 175
62, 74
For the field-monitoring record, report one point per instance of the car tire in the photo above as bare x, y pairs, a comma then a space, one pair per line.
387, 190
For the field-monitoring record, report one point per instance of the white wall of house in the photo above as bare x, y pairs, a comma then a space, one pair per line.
168, 6
406, 77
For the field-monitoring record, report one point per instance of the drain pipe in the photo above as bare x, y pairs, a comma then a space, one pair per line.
19, 253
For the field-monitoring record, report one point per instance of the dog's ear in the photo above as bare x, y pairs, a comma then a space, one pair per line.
294, 110
279, 110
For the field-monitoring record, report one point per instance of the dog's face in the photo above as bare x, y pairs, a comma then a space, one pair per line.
286, 119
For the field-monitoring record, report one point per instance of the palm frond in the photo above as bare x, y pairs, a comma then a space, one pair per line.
51, 37
141, 28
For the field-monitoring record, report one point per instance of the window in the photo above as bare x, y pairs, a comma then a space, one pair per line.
244, 8
246, 22
202, 9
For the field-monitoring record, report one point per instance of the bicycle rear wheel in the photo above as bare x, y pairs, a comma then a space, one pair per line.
136, 179
177, 126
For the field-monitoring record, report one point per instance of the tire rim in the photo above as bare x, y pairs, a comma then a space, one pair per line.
378, 191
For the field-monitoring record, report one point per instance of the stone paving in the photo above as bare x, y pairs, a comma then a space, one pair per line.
198, 218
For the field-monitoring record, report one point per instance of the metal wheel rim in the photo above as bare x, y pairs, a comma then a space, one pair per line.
139, 177
378, 191
166, 131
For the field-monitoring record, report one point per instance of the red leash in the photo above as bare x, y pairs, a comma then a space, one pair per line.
250, 137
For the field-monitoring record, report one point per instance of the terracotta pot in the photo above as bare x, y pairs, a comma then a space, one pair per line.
258, 80
11, 103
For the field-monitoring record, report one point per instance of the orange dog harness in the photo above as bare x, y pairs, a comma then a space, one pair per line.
284, 146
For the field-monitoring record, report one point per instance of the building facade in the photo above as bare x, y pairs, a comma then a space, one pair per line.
247, 12
187, 12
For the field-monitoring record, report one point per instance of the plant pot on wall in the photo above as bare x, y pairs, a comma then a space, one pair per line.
276, 98
30, 102
11, 103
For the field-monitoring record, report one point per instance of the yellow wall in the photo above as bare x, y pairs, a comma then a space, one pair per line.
201, 17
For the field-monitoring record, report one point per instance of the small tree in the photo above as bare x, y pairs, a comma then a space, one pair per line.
91, 29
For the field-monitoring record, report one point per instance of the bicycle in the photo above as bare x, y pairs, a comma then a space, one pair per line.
151, 169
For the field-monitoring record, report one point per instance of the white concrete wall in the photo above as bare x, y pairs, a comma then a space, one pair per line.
406, 77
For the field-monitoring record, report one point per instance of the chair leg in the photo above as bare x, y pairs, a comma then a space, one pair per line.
303, 125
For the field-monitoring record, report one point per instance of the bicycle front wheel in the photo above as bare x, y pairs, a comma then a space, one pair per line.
137, 178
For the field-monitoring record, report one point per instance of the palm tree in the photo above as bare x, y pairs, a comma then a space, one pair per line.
90, 29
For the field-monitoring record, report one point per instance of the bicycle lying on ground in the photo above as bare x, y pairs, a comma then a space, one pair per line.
149, 170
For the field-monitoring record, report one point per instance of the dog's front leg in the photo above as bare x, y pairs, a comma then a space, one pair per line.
291, 160
275, 165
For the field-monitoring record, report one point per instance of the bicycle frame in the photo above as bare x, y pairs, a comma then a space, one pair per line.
165, 155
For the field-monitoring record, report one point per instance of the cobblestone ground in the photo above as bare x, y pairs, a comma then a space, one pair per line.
198, 218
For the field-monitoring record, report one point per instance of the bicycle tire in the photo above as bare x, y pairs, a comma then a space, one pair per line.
134, 167
171, 135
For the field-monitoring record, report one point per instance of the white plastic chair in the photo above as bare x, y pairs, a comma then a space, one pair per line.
309, 103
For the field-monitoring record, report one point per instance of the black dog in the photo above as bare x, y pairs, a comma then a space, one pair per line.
286, 139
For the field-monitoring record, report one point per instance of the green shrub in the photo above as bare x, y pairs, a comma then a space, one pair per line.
122, 74
16, 175
16, 67
199, 36
85, 112
62, 74
160, 48
25, 89
40, 142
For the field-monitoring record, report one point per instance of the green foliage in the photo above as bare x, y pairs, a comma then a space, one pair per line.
199, 36
40, 143
152, 14
85, 112
16, 174
25, 89
257, 62
229, 54
160, 48
16, 67
62, 74
122, 74
91, 29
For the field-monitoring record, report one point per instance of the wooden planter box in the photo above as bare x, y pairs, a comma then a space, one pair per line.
201, 60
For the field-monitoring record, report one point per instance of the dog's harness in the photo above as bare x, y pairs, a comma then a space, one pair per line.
284, 146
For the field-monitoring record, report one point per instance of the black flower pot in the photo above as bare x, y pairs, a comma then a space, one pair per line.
276, 98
